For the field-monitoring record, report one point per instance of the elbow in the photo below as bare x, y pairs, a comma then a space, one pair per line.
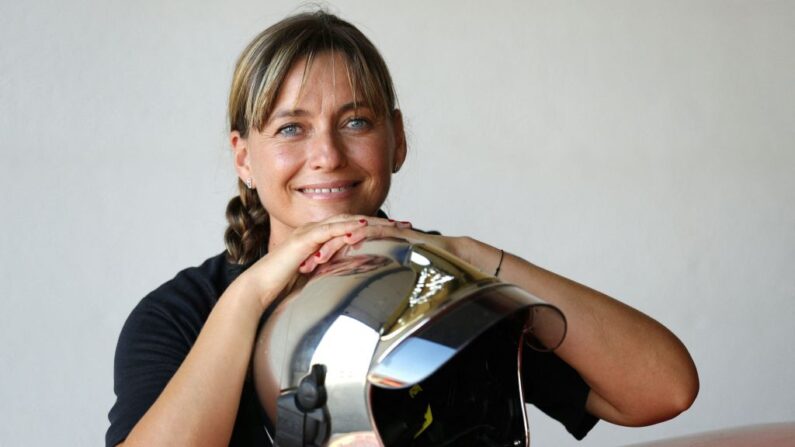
676, 392
668, 396
684, 388
684, 394
655, 411
677, 403
670, 401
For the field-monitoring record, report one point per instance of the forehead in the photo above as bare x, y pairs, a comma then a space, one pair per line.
315, 83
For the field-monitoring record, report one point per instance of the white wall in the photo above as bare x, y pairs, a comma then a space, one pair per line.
643, 148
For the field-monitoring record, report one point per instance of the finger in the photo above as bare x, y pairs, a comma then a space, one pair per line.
371, 220
320, 233
330, 248
375, 220
306, 242
309, 263
325, 238
343, 218
328, 251
380, 231
391, 222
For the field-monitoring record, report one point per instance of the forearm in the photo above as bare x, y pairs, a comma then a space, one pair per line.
638, 371
199, 405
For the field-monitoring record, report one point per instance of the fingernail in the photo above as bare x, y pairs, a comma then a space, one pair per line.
405, 222
391, 220
362, 221
348, 234
317, 255
303, 264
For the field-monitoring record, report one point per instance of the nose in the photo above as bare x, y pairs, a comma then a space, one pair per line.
327, 152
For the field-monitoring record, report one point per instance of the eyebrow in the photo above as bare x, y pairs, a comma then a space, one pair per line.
353, 106
301, 112
289, 112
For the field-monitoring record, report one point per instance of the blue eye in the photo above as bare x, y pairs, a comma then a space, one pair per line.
289, 130
358, 123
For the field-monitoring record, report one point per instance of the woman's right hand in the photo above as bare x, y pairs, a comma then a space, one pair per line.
307, 247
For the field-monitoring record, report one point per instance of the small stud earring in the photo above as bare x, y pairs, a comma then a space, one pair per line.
248, 183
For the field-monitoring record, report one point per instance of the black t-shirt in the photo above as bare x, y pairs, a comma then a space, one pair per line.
162, 328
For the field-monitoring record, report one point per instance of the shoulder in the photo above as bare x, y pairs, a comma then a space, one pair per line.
210, 278
198, 285
184, 302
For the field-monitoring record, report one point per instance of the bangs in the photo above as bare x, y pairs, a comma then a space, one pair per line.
264, 65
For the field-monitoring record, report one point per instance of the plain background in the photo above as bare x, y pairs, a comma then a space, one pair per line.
644, 148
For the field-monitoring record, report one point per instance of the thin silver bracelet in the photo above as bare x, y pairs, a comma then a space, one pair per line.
499, 266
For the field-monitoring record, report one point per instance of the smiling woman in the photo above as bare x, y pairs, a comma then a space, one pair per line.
320, 153
316, 137
309, 79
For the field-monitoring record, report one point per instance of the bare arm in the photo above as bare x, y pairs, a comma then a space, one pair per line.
203, 396
199, 404
638, 371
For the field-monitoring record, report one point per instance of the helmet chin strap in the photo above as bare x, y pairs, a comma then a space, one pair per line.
303, 419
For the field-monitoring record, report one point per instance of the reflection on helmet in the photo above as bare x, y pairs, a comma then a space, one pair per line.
400, 345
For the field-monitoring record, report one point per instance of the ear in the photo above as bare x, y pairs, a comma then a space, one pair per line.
400, 140
241, 155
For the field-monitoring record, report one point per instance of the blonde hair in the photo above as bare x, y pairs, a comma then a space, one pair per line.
258, 75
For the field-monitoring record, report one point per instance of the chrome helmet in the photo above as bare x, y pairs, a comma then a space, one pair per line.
400, 344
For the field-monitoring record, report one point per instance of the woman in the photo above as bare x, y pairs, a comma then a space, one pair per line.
316, 136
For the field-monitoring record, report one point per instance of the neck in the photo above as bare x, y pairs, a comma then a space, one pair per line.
278, 234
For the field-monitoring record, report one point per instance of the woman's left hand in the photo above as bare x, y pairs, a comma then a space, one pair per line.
476, 253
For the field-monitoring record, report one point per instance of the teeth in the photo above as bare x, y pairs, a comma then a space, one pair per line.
325, 190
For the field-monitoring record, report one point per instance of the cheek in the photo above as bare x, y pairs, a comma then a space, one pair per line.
277, 167
376, 155
284, 163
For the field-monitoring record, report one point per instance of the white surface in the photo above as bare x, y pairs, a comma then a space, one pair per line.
643, 148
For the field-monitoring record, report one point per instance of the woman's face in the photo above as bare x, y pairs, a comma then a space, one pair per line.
318, 155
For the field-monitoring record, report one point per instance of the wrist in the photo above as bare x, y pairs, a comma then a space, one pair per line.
482, 256
462, 247
254, 290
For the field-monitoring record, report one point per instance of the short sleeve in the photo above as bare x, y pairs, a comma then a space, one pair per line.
558, 390
156, 339
149, 352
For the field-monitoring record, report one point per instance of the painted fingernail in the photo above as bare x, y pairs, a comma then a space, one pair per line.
391, 220
348, 234
362, 221
317, 255
303, 264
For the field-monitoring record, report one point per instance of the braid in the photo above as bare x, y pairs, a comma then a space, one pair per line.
247, 234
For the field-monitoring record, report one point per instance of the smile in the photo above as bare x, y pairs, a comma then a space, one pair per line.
328, 190
325, 190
